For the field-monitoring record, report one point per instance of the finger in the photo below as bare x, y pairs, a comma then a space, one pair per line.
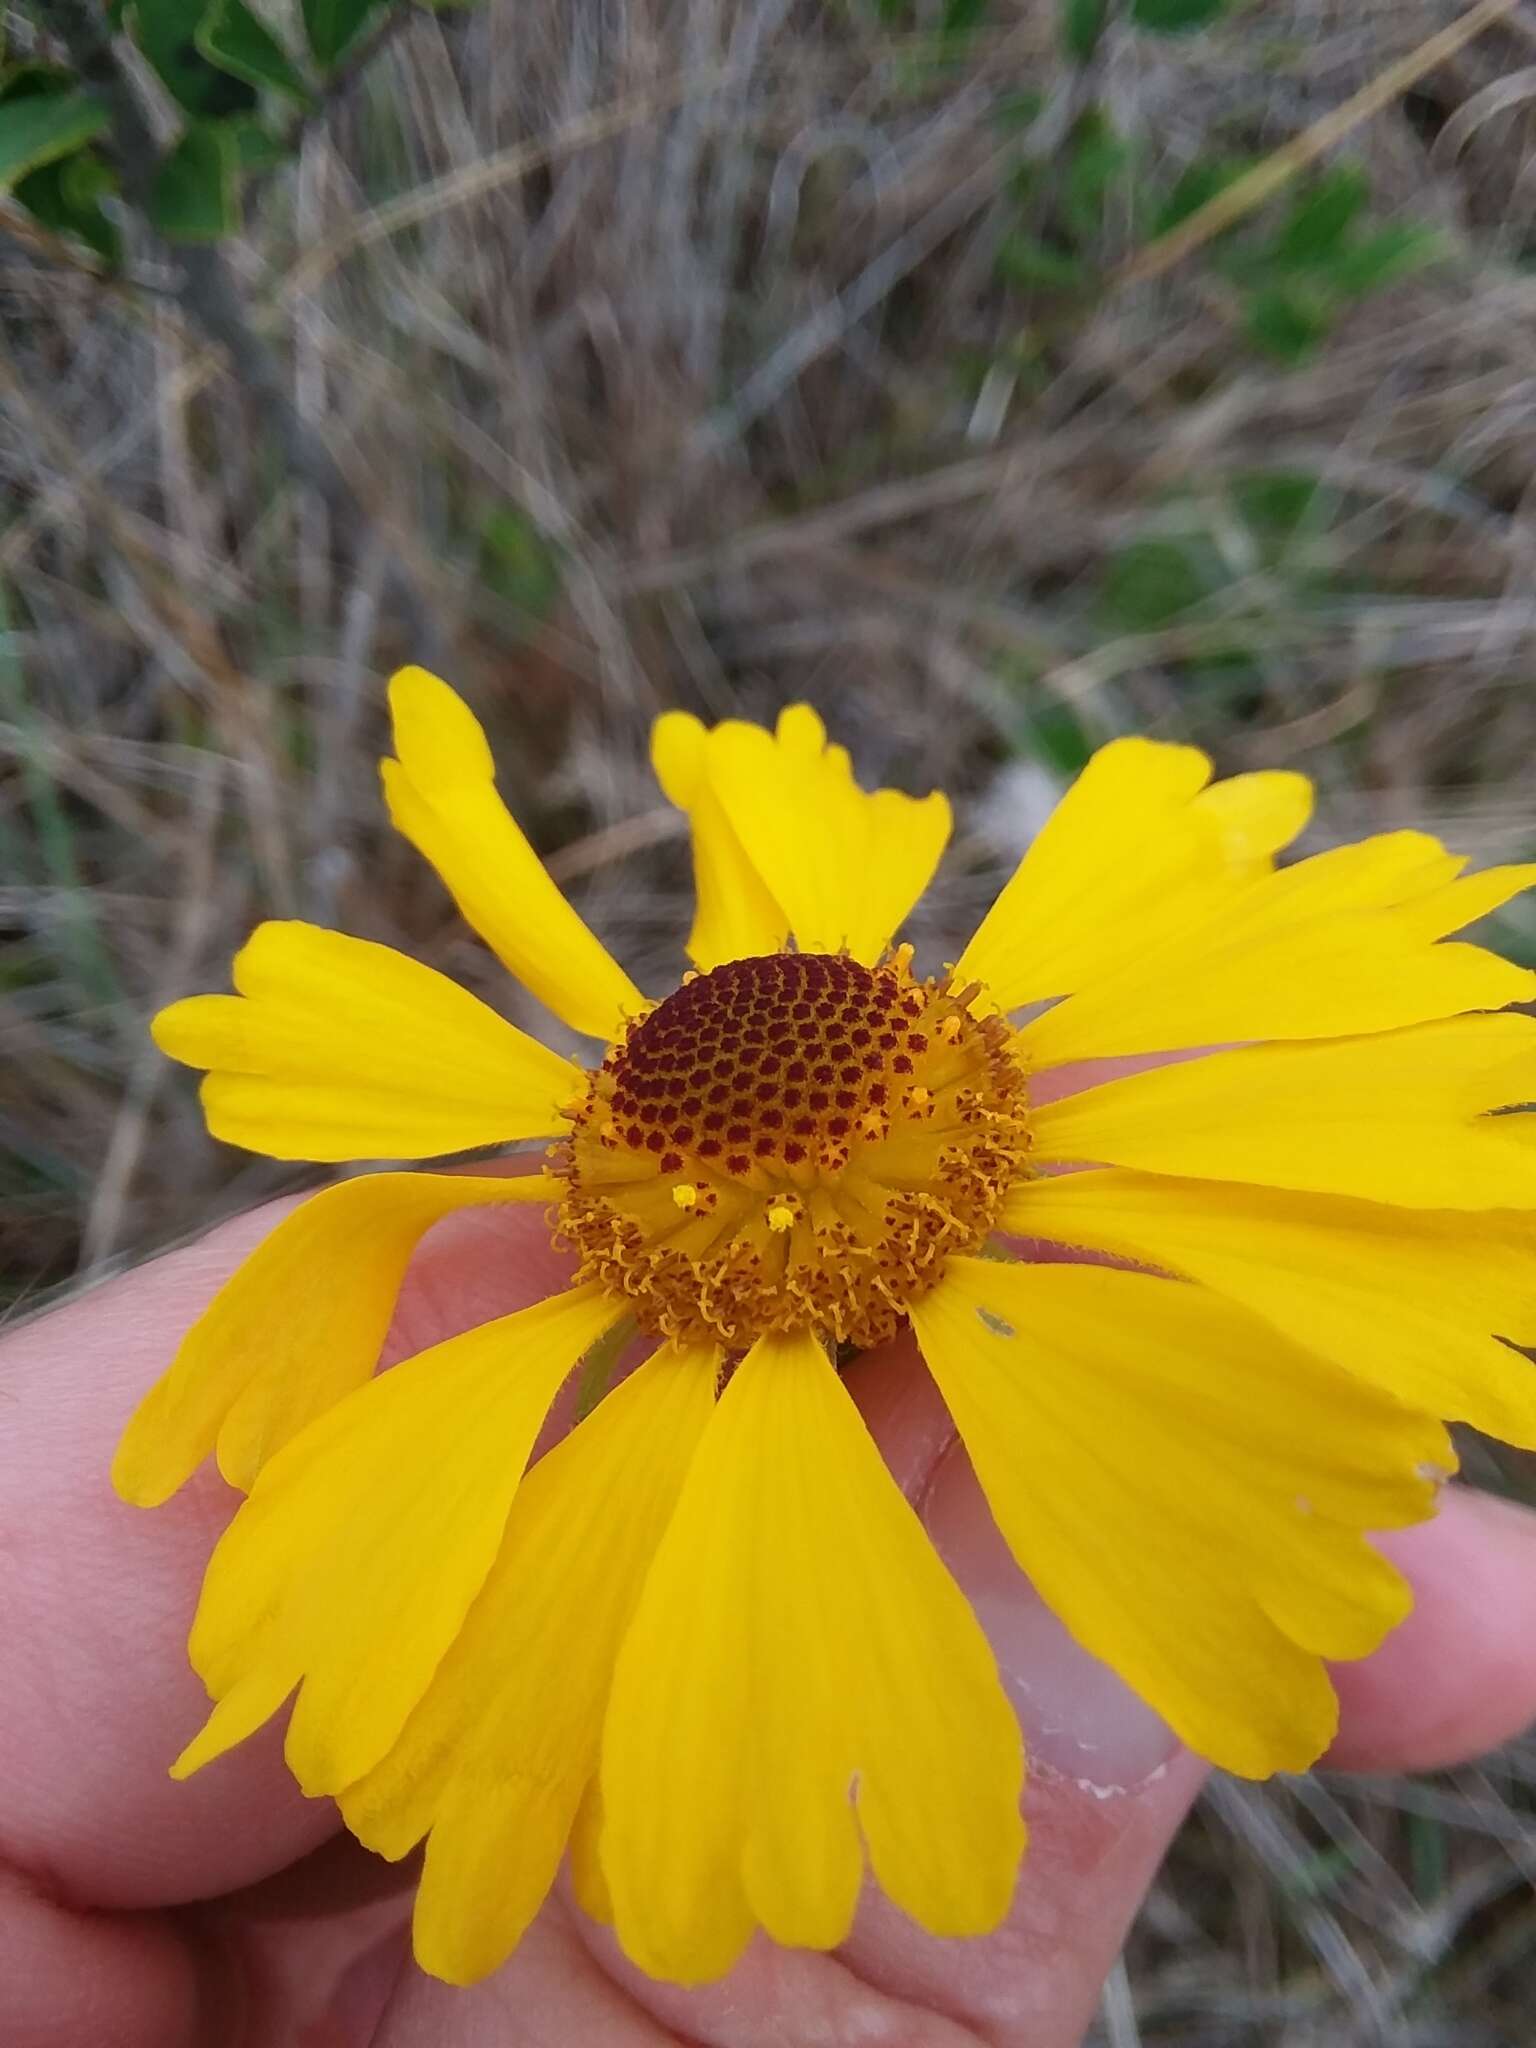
68, 1978
550, 1995
1109, 1785
1459, 1676
96, 1695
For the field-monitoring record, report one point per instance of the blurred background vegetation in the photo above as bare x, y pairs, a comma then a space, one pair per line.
998, 375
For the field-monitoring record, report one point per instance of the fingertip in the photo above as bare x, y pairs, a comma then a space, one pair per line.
1458, 1677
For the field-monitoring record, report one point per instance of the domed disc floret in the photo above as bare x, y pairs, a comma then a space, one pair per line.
793, 1141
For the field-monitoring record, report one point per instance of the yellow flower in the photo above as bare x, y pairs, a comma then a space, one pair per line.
704, 1645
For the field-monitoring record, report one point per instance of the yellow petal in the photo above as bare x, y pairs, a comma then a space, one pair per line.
1408, 1299
1460, 903
1337, 944
1369, 874
352, 1564
1253, 816
298, 1325
498, 1753
843, 865
1398, 1118
589, 1887
1138, 847
735, 916
442, 795
800, 1666
1185, 1488
336, 1048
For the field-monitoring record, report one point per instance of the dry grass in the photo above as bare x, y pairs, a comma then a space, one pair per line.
696, 307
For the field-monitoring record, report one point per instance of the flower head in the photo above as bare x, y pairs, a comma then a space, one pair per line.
793, 1141
703, 1645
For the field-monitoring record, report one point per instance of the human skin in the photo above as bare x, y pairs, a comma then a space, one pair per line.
230, 1912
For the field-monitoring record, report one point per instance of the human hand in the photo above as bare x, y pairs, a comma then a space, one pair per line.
138, 1913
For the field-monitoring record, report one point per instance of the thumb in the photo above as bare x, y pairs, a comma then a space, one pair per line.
1108, 1787
1109, 1783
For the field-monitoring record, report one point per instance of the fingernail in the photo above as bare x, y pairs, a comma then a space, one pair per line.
1080, 1721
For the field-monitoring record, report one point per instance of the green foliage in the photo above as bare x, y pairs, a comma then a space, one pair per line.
332, 26
227, 72
1228, 573
166, 32
1319, 219
1280, 507
232, 38
194, 194
1047, 246
1098, 160
958, 22
1288, 320
1052, 732
517, 563
1381, 258
1150, 583
1296, 276
1291, 268
1023, 261
963, 17
1082, 23
39, 125
1018, 109
47, 161
1176, 17
1204, 180
67, 197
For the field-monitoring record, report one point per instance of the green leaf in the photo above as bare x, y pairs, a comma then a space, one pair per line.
332, 26
1097, 157
66, 196
1196, 187
193, 197
165, 30
1392, 252
517, 563
37, 127
1018, 109
1023, 261
30, 81
230, 36
962, 18
1277, 503
1288, 321
1150, 583
1319, 219
256, 148
1054, 735
1175, 17
1082, 23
